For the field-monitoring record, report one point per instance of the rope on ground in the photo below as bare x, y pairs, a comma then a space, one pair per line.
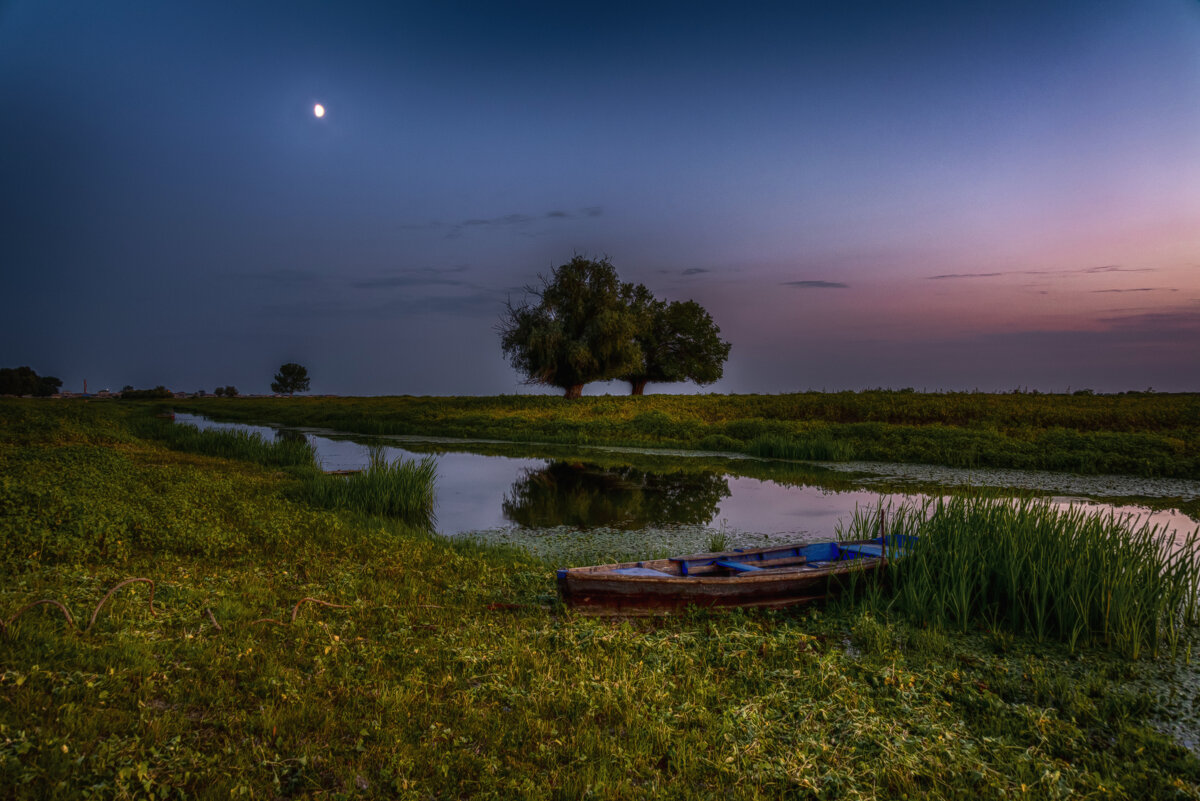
296, 611
109, 594
5, 625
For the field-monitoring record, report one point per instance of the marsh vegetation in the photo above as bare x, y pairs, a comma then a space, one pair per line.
447, 668
1143, 434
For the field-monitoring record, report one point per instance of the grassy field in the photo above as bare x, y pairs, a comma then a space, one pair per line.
1146, 434
426, 668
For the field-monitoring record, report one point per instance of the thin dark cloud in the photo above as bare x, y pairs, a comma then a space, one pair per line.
1166, 324
497, 222
517, 221
1106, 268
816, 284
1138, 289
694, 271
1113, 268
966, 275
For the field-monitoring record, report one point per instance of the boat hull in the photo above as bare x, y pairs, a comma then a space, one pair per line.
600, 590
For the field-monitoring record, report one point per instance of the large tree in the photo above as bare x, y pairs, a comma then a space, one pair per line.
679, 341
573, 330
290, 379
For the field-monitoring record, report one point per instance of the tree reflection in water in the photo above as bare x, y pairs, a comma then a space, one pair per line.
587, 496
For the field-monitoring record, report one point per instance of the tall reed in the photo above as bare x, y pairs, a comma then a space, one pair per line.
402, 489
1030, 567
226, 444
819, 445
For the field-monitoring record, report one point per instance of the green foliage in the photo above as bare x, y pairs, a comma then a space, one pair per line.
584, 496
243, 445
290, 379
1031, 568
452, 674
1137, 434
403, 489
158, 393
818, 445
24, 381
679, 341
577, 332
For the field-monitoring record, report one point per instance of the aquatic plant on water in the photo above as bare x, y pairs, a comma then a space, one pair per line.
402, 489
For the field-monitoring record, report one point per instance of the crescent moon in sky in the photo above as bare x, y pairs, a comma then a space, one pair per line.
318, 110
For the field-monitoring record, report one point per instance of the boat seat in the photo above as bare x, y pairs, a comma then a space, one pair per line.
740, 567
642, 571
863, 550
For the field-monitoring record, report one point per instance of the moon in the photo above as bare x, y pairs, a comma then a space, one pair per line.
318, 110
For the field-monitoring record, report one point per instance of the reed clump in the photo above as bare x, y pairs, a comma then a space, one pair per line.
402, 489
227, 444
819, 446
1029, 567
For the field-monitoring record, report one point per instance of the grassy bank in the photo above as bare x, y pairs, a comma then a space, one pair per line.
447, 670
1143, 434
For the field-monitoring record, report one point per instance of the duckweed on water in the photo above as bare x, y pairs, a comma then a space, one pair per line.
570, 546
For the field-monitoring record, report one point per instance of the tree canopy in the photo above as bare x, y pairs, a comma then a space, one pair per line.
583, 325
25, 381
290, 379
679, 341
579, 329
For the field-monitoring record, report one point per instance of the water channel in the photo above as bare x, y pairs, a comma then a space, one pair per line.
576, 503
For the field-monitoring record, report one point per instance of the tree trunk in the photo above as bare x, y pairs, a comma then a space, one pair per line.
574, 391
637, 387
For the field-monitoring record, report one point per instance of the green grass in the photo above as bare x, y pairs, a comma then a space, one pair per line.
452, 672
242, 445
402, 489
1143, 434
1030, 568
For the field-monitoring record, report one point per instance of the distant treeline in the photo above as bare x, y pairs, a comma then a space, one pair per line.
157, 393
1150, 434
25, 381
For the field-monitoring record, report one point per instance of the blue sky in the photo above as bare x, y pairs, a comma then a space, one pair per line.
938, 195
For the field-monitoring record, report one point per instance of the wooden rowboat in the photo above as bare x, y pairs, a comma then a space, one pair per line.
763, 577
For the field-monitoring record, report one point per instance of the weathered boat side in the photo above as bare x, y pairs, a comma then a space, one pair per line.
769, 577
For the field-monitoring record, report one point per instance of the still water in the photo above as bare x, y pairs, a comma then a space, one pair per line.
515, 493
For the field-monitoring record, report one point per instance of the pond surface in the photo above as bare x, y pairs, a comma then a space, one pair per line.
572, 502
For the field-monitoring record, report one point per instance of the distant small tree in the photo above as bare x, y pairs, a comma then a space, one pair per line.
679, 341
231, 391
290, 379
577, 331
219, 392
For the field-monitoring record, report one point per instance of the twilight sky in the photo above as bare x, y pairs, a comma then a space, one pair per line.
942, 195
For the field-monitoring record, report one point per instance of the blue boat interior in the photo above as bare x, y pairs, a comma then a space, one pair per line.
743, 562
892, 546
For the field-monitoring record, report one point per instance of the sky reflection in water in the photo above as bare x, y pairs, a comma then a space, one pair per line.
478, 492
